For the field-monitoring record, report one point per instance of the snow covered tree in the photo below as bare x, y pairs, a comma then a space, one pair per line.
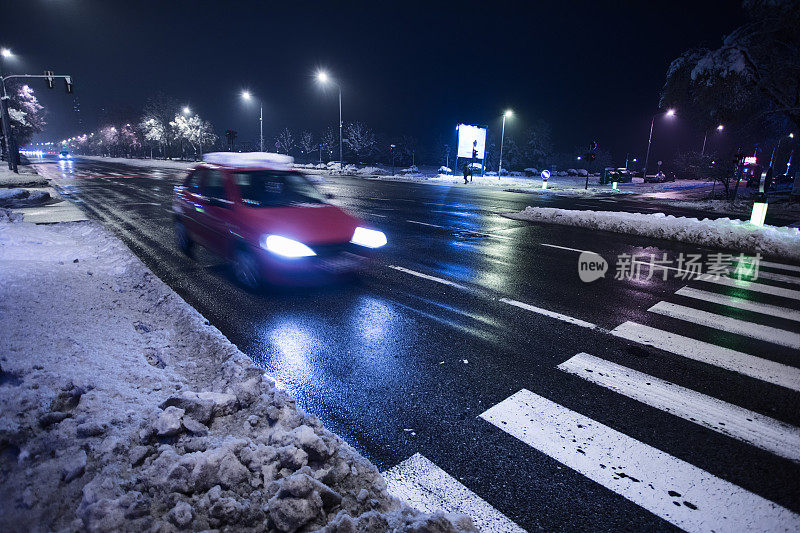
129, 140
537, 146
153, 133
192, 130
27, 114
159, 111
285, 141
108, 139
359, 139
754, 75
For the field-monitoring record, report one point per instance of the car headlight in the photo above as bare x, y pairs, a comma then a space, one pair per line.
370, 238
285, 246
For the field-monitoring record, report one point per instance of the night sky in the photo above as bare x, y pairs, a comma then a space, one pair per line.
592, 69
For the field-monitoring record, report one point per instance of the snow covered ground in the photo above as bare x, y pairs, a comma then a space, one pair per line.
771, 241
27, 177
122, 409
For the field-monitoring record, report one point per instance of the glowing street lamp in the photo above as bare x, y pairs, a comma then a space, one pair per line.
246, 96
669, 113
5, 52
705, 137
187, 110
324, 79
508, 114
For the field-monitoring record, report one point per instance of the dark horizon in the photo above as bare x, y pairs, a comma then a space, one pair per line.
413, 70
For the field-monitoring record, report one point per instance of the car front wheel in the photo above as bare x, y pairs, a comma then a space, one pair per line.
183, 240
246, 269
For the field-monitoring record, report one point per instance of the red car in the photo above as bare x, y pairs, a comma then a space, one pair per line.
269, 221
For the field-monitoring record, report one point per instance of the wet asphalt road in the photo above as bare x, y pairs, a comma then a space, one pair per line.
399, 364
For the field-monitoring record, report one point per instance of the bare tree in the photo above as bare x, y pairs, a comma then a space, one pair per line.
330, 140
286, 142
307, 143
360, 139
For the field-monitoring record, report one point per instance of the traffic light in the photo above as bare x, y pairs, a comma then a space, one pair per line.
474, 153
68, 84
49, 78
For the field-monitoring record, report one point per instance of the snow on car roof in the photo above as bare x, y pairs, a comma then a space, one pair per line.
250, 159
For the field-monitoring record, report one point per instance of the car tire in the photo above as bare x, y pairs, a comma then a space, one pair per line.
183, 240
246, 269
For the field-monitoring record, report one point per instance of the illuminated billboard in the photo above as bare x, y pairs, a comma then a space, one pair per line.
470, 137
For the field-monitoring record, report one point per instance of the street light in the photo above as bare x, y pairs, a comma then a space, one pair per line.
6, 52
669, 113
705, 137
508, 114
187, 110
324, 79
247, 96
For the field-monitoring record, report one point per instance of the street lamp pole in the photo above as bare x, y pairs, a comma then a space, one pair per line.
341, 159
508, 113
323, 78
261, 126
705, 137
669, 113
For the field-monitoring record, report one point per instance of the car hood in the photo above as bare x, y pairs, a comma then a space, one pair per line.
310, 224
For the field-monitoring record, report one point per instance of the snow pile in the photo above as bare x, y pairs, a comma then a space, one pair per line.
371, 171
722, 233
27, 177
22, 197
444, 170
122, 409
413, 169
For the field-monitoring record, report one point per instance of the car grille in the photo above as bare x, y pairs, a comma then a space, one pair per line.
330, 250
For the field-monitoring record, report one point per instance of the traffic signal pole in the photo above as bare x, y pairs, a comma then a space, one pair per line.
11, 149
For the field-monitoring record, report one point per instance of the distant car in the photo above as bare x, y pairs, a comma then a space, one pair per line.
660, 177
269, 221
63, 154
620, 175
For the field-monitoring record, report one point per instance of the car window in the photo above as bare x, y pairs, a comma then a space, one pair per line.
267, 188
213, 185
192, 182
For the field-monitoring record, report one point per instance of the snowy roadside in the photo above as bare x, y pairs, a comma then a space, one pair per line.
27, 177
122, 409
771, 241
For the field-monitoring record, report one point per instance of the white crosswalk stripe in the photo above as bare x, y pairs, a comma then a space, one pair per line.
753, 286
779, 266
731, 325
704, 352
779, 277
426, 487
722, 417
670, 488
740, 303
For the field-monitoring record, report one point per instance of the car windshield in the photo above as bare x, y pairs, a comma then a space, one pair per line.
269, 188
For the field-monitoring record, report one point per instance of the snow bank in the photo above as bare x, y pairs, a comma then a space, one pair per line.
122, 409
27, 177
721, 233
22, 197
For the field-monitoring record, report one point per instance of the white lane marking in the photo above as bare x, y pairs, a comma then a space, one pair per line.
431, 278
740, 303
748, 426
704, 352
778, 277
731, 325
376, 215
425, 224
780, 266
496, 236
564, 248
551, 314
426, 487
752, 286
668, 487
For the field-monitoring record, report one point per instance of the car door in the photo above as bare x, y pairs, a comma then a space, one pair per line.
218, 210
190, 204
